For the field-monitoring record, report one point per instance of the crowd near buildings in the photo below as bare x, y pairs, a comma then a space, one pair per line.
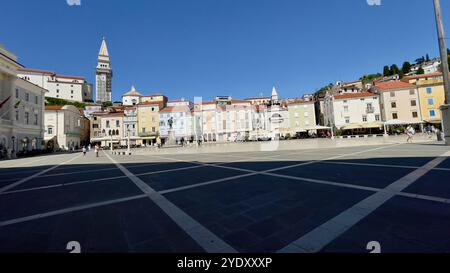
29, 123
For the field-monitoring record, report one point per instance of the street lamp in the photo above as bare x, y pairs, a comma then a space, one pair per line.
13, 152
445, 109
128, 148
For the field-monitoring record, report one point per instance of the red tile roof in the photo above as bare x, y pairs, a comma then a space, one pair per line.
53, 107
436, 74
38, 71
156, 102
176, 109
354, 95
393, 85
70, 77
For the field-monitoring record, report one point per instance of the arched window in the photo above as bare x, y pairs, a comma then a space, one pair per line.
117, 132
109, 132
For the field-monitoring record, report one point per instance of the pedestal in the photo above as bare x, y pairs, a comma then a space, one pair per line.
171, 141
445, 114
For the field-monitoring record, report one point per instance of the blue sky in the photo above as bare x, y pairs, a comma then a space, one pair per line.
186, 48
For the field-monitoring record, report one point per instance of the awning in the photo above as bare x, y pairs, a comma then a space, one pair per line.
434, 121
363, 126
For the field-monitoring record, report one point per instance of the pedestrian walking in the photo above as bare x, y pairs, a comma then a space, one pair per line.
96, 150
410, 132
84, 151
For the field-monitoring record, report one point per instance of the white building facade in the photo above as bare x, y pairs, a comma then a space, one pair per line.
71, 88
352, 110
21, 110
182, 123
62, 127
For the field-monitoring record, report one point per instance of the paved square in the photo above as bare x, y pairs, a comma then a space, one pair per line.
330, 199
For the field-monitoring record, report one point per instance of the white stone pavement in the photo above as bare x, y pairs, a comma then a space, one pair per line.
284, 145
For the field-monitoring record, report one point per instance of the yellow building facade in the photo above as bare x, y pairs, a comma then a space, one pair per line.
431, 95
148, 122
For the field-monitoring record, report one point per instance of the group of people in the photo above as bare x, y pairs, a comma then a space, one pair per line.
96, 148
430, 130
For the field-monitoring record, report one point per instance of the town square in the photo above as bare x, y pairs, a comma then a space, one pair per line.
176, 127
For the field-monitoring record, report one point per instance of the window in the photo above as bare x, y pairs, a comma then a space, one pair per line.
296, 115
364, 118
345, 101
306, 122
71, 91
27, 97
413, 103
432, 113
412, 92
143, 130
36, 117
393, 104
429, 90
394, 116
153, 129
117, 123
345, 108
17, 93
17, 115
36, 100
50, 130
347, 119
27, 118
377, 117
414, 114
107, 124
430, 101
392, 94
57, 91
306, 114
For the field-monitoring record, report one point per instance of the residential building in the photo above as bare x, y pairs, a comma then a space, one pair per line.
259, 100
70, 88
85, 130
205, 121
131, 124
112, 129
62, 127
399, 102
431, 95
103, 75
429, 67
95, 121
302, 116
182, 124
148, 121
358, 112
21, 110
93, 108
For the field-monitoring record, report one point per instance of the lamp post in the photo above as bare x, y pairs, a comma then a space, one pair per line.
13, 152
445, 109
128, 136
111, 143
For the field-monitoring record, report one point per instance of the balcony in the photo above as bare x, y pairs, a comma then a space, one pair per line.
370, 110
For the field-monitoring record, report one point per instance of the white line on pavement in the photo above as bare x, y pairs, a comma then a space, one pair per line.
10, 186
321, 236
205, 238
96, 180
251, 172
69, 210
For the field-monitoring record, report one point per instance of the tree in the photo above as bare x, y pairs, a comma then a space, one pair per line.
420, 71
406, 68
420, 60
394, 70
386, 71
369, 78
427, 58
107, 104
